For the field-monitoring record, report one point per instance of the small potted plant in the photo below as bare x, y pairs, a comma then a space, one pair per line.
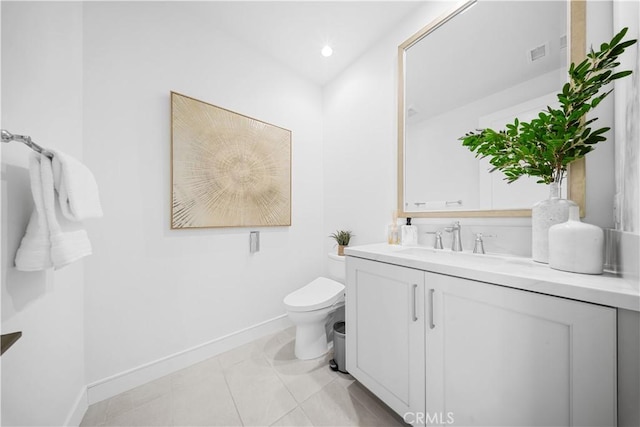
342, 238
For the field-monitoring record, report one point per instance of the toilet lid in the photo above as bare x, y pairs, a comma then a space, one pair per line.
320, 293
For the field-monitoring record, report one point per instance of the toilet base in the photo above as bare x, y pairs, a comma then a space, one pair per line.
311, 341
311, 325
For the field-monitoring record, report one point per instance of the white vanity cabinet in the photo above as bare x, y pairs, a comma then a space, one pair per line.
506, 357
386, 332
448, 350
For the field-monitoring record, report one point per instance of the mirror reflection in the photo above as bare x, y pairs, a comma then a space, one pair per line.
483, 68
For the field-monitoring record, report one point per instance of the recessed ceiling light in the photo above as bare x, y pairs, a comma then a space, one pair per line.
326, 51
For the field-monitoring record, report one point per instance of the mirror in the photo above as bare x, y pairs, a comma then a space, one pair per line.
481, 65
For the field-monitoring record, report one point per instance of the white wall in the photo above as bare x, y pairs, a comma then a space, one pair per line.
43, 378
627, 104
360, 145
153, 292
360, 109
627, 14
600, 163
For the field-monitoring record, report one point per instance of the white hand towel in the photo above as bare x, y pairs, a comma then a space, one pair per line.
34, 252
47, 242
69, 242
77, 188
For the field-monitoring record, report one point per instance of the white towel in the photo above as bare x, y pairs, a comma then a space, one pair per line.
49, 242
34, 252
77, 188
69, 242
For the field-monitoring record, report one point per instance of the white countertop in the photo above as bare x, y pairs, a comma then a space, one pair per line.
515, 272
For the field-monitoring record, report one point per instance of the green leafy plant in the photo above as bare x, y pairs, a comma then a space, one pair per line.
546, 145
342, 237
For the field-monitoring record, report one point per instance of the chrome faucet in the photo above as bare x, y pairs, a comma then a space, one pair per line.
456, 242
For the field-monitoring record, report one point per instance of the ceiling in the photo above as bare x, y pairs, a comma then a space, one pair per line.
294, 32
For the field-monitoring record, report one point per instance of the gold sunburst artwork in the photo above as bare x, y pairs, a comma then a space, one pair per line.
228, 170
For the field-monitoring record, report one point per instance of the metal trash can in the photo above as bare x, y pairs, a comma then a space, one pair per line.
339, 362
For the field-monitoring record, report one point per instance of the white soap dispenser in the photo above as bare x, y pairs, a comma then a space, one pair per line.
409, 234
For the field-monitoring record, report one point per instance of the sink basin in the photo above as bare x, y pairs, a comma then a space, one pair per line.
463, 257
421, 251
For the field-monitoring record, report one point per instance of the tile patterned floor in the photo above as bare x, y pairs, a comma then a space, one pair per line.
257, 384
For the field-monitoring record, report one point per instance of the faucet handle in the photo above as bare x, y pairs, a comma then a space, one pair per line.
438, 242
481, 235
478, 247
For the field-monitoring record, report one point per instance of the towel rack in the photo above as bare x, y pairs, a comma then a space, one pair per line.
8, 137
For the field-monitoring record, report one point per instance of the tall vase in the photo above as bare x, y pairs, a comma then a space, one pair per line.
544, 214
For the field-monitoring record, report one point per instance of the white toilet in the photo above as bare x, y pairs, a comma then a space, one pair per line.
309, 309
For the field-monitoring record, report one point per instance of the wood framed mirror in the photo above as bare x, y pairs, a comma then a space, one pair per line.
455, 76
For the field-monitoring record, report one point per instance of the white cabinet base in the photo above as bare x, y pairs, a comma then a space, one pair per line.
385, 333
443, 350
503, 357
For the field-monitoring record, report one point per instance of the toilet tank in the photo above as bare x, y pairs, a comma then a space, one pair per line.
337, 268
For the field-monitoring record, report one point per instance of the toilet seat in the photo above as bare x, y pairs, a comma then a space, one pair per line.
320, 293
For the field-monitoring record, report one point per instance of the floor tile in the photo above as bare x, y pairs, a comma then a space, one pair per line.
334, 406
258, 384
280, 347
283, 351
295, 418
204, 403
254, 349
196, 373
96, 414
156, 412
260, 396
345, 380
385, 414
121, 420
119, 405
304, 377
150, 391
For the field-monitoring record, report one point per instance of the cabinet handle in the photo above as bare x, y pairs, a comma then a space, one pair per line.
432, 324
415, 301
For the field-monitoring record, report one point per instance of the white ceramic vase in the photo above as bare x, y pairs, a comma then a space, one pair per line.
545, 214
575, 246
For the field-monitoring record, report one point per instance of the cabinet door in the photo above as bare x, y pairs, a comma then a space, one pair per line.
504, 357
385, 332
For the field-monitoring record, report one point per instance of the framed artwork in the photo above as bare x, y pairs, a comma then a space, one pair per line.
228, 170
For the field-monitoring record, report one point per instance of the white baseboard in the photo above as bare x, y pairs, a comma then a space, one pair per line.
116, 384
79, 408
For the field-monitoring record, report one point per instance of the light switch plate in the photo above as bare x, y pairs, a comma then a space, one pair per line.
254, 241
